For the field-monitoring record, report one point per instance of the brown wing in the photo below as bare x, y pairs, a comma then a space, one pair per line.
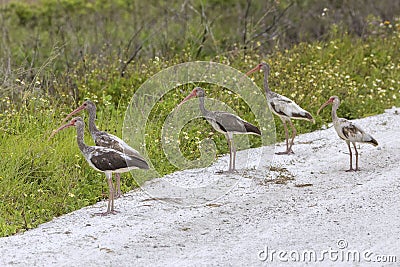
250, 128
356, 134
232, 123
105, 139
284, 106
350, 131
304, 115
110, 160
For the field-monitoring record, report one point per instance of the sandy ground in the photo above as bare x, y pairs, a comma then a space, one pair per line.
240, 219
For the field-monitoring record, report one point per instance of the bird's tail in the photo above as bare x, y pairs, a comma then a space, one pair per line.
250, 128
304, 115
310, 117
374, 142
369, 139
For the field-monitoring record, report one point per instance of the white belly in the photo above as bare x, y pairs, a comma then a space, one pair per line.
216, 126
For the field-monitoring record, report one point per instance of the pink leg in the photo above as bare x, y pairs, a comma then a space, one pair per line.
287, 140
234, 156
294, 133
351, 158
356, 169
110, 206
230, 154
118, 191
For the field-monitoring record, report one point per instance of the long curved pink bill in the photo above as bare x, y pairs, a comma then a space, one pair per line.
187, 98
323, 105
252, 70
59, 129
73, 113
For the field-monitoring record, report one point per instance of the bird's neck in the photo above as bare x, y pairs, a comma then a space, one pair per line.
79, 138
266, 86
203, 110
92, 125
334, 114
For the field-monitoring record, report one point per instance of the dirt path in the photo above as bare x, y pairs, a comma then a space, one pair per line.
324, 210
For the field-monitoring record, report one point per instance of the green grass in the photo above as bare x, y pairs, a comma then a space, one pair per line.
41, 179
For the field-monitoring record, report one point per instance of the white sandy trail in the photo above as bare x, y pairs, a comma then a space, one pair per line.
337, 211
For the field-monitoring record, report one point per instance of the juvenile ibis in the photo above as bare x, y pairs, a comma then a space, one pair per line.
283, 107
104, 159
348, 131
225, 123
105, 139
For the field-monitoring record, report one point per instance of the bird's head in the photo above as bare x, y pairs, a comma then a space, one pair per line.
332, 100
77, 121
89, 105
197, 92
262, 66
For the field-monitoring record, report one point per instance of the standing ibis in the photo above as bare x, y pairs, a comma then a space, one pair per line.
105, 139
348, 131
283, 107
225, 123
105, 159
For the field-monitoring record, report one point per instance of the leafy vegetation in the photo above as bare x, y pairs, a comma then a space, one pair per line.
57, 53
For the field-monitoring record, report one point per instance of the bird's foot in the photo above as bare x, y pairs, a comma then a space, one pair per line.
118, 195
352, 170
106, 213
225, 172
285, 152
